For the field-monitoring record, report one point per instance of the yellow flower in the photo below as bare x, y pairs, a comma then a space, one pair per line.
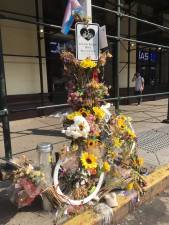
123, 117
94, 84
88, 63
89, 161
91, 143
71, 116
140, 161
106, 167
121, 123
113, 155
130, 186
75, 147
117, 142
131, 133
99, 113
84, 112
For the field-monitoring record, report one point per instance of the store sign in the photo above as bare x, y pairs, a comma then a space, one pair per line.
146, 56
58, 46
143, 56
87, 41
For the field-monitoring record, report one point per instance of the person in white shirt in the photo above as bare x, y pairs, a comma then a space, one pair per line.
139, 85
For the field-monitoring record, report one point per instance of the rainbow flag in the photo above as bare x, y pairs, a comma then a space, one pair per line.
73, 7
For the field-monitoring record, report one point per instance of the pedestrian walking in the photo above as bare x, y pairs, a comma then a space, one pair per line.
139, 86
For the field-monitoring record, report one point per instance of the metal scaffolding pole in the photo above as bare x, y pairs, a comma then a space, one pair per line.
132, 17
129, 50
117, 55
108, 36
39, 53
3, 107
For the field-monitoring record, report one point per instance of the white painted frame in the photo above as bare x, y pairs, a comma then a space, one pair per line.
65, 198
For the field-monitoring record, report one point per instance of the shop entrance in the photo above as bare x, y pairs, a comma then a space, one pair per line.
148, 66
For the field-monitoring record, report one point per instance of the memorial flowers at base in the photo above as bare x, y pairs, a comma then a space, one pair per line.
101, 140
102, 149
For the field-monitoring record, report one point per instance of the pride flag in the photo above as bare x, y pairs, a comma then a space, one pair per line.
73, 7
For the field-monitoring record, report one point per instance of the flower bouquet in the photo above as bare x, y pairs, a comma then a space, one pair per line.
101, 141
27, 183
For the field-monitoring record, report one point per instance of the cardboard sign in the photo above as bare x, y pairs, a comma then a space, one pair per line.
103, 38
87, 41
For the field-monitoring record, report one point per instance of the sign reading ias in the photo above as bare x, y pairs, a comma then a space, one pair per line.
147, 56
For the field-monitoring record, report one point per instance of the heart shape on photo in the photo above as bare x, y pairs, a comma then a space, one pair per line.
87, 34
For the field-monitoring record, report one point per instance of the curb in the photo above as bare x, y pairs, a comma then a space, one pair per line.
157, 182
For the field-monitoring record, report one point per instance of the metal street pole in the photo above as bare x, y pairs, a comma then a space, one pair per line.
129, 51
3, 107
167, 120
39, 55
117, 56
87, 6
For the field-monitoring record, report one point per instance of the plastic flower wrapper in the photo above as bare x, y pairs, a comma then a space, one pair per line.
27, 184
107, 112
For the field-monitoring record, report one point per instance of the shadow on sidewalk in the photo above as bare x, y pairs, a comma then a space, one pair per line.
7, 210
56, 133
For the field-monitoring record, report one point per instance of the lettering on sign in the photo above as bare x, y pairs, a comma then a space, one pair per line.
146, 56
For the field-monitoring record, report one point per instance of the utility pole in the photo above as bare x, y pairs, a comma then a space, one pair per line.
87, 6
118, 25
3, 107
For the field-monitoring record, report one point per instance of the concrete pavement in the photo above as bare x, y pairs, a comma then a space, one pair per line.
152, 134
155, 212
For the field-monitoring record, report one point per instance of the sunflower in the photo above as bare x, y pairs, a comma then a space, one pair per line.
121, 123
89, 161
91, 143
84, 112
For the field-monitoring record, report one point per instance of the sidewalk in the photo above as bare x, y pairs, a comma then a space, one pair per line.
150, 213
153, 139
153, 136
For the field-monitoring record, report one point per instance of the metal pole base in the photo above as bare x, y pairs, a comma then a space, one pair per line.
1, 175
166, 121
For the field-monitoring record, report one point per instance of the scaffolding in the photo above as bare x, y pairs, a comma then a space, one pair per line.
7, 15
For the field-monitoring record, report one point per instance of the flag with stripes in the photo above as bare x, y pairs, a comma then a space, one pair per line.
73, 7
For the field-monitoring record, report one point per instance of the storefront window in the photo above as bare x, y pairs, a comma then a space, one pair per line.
148, 61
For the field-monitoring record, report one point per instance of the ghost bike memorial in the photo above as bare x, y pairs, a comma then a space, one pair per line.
102, 155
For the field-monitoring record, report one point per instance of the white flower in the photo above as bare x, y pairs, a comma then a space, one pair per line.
107, 112
77, 185
82, 182
80, 128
